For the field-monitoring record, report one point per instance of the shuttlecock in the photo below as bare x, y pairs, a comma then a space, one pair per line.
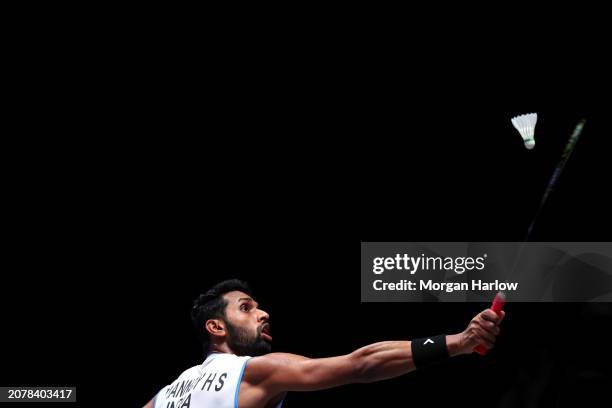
525, 124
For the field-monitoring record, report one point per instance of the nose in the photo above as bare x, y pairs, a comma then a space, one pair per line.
263, 316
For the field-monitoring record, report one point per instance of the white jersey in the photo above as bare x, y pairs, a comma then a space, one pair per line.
214, 383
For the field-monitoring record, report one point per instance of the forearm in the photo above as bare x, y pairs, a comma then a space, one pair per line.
383, 360
389, 359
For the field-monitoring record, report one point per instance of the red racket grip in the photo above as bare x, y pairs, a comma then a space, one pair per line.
497, 306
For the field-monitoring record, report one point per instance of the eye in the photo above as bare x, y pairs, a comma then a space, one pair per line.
244, 307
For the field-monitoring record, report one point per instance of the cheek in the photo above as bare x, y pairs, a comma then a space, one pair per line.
243, 320
235, 317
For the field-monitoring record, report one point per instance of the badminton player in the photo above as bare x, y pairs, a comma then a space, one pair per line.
239, 369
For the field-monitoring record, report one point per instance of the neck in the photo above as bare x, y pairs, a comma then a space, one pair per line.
220, 348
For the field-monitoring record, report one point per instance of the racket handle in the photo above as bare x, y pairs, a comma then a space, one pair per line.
480, 349
497, 307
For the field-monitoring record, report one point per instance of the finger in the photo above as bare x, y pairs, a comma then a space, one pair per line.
485, 335
485, 325
492, 332
490, 316
503, 314
487, 344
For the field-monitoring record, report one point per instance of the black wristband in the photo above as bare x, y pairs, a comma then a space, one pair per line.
429, 350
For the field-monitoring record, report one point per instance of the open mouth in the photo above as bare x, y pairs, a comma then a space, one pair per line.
265, 332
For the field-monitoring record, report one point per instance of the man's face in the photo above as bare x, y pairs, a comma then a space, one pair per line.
248, 331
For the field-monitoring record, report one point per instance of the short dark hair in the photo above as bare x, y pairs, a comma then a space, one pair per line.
211, 305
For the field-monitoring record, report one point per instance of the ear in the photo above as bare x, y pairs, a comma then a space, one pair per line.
215, 327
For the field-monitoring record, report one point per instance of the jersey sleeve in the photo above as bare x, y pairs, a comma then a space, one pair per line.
158, 400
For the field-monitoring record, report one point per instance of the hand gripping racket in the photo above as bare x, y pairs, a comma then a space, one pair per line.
497, 307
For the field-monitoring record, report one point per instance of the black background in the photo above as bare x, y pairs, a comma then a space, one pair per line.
161, 191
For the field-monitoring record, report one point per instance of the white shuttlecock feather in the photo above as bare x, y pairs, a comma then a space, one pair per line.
525, 124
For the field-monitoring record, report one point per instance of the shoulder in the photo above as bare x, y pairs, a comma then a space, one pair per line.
190, 372
258, 369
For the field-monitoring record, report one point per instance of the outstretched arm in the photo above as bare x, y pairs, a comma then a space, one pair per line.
281, 372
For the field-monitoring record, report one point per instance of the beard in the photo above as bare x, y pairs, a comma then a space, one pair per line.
244, 344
